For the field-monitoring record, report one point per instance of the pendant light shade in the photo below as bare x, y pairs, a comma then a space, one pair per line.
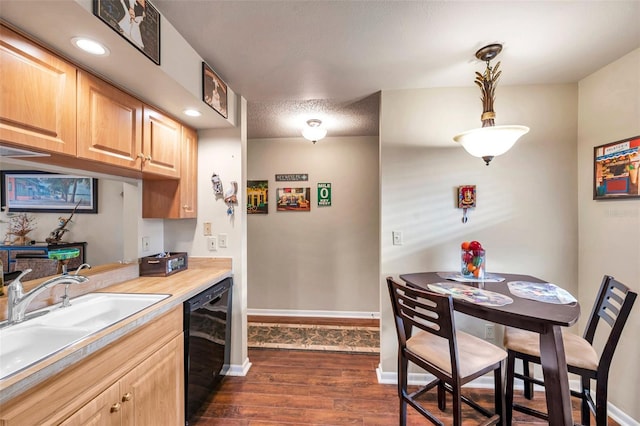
490, 140
314, 131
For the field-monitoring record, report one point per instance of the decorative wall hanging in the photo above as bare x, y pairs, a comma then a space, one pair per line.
33, 191
230, 198
324, 194
257, 196
217, 185
615, 170
293, 177
466, 199
214, 90
294, 199
138, 21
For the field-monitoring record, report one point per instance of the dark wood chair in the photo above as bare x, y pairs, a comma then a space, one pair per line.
453, 357
612, 306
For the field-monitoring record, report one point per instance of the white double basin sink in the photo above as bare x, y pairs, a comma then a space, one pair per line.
55, 328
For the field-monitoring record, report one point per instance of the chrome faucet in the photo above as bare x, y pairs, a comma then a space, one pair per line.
18, 301
65, 298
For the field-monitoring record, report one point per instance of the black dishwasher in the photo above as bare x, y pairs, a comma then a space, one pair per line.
207, 337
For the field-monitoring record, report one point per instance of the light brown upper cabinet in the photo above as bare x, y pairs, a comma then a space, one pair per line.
170, 199
109, 123
189, 179
117, 129
37, 96
162, 139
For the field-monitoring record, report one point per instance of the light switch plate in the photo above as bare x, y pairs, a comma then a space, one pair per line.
222, 240
207, 228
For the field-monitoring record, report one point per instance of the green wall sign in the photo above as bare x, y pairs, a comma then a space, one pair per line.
324, 194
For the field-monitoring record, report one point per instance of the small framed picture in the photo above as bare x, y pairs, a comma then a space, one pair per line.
615, 169
214, 90
138, 21
294, 199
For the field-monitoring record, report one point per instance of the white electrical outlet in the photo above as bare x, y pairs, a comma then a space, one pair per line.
489, 332
145, 244
222, 240
207, 228
212, 243
397, 238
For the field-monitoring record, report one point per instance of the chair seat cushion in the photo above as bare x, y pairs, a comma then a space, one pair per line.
578, 352
474, 353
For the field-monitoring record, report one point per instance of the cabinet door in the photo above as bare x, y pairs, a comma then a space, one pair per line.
37, 96
103, 410
153, 392
161, 145
189, 174
109, 123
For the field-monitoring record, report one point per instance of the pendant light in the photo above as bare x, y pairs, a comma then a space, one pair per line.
489, 140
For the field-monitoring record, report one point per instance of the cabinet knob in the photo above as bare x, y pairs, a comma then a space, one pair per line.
185, 207
126, 397
115, 407
141, 155
148, 158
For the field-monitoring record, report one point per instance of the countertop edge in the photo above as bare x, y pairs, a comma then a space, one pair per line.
36, 373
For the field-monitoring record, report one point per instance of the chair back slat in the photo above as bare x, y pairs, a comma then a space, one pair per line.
613, 306
611, 320
429, 312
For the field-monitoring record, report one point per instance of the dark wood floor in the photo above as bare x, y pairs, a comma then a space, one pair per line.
285, 387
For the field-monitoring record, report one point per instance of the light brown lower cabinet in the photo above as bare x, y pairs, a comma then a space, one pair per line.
137, 380
145, 396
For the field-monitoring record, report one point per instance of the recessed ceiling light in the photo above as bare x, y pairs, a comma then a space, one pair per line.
192, 112
90, 46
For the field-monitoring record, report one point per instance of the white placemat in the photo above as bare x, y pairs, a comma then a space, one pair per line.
471, 294
457, 276
541, 292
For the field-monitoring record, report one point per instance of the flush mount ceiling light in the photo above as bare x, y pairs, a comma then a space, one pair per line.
192, 112
314, 130
490, 140
90, 46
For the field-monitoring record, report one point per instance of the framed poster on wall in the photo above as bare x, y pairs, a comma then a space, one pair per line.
137, 21
615, 169
294, 199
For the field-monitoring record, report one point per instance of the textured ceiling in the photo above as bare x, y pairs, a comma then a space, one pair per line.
294, 60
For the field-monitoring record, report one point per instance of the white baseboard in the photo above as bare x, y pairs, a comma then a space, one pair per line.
312, 314
486, 382
239, 370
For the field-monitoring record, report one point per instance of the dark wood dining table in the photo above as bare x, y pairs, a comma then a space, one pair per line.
546, 319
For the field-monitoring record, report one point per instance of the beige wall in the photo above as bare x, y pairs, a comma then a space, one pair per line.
609, 110
526, 208
325, 259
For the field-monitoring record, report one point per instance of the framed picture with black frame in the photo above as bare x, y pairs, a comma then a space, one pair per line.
43, 192
214, 90
137, 21
615, 169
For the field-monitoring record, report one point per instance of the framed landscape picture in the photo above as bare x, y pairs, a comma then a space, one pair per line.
30, 191
138, 21
615, 169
